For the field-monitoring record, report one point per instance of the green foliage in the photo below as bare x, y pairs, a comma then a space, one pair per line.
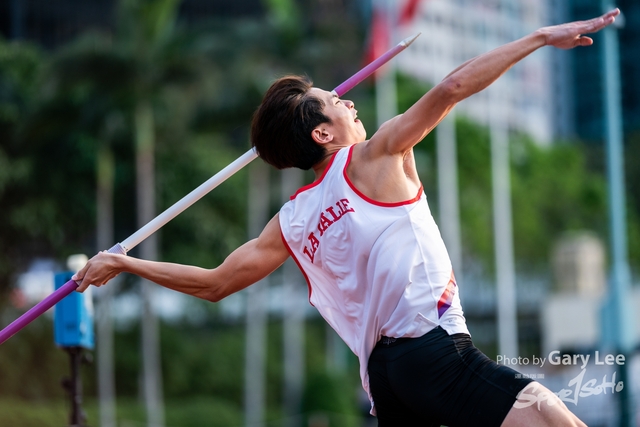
203, 411
16, 412
20, 65
206, 359
331, 397
553, 189
203, 369
553, 193
209, 230
207, 362
474, 180
186, 412
31, 367
147, 22
632, 169
284, 13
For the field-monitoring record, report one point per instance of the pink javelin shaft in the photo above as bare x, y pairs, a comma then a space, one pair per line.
155, 224
352, 81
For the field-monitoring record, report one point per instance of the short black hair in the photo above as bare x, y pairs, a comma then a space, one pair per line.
282, 125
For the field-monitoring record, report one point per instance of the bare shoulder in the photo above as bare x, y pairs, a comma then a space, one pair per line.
383, 176
378, 145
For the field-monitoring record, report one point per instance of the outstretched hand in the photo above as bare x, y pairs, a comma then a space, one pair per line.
570, 35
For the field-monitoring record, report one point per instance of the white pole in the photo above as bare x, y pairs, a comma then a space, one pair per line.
619, 329
104, 321
507, 318
295, 291
448, 191
146, 210
498, 108
256, 315
386, 96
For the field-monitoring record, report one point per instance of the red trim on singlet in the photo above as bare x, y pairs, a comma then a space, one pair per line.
286, 245
375, 202
316, 182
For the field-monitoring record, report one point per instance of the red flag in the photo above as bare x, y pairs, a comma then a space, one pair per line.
378, 37
379, 42
408, 12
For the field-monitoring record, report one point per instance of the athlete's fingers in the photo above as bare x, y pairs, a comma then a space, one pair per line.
599, 23
584, 41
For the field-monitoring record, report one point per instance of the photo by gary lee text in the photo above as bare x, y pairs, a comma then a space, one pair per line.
557, 358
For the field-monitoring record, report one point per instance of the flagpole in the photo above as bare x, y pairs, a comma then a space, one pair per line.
617, 312
507, 308
386, 91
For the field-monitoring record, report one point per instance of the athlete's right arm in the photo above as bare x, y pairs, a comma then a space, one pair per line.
246, 265
400, 134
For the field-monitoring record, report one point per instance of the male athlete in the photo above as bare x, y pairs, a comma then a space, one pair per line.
375, 263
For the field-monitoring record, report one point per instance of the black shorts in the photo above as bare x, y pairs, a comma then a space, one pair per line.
440, 379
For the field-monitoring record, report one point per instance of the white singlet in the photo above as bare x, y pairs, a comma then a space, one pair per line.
372, 268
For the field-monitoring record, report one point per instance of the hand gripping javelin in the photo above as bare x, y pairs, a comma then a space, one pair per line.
195, 195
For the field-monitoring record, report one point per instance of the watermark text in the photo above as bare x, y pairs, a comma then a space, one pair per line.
557, 358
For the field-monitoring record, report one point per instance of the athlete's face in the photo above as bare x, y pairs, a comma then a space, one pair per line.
345, 126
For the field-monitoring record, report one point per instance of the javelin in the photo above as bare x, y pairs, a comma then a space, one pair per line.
195, 195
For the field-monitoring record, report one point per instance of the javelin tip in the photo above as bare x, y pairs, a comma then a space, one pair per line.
406, 42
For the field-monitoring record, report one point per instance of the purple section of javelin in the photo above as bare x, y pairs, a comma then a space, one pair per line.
368, 70
37, 310
44, 305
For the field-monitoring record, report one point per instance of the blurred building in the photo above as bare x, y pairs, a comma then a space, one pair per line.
455, 31
571, 315
551, 94
578, 85
578, 261
571, 320
53, 23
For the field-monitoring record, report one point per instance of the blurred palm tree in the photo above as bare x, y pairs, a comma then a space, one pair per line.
145, 33
94, 89
20, 65
85, 98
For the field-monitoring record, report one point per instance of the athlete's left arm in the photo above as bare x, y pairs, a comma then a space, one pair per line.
400, 134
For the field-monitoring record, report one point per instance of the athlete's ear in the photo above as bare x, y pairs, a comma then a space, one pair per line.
321, 135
